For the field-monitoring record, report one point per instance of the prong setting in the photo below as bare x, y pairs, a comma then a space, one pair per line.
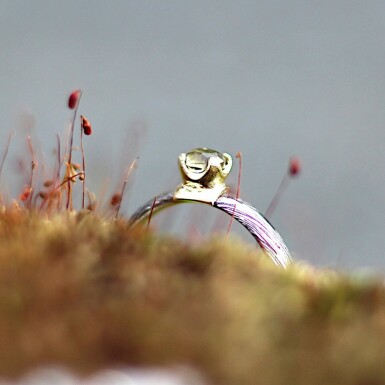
203, 172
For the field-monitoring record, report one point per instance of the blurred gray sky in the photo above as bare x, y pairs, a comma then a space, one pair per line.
268, 78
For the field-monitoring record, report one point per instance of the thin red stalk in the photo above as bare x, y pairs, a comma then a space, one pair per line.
152, 210
91, 200
69, 187
58, 158
35, 199
69, 179
84, 167
33, 166
6, 152
277, 196
133, 164
239, 157
56, 173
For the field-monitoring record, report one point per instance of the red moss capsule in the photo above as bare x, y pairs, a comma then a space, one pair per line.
42, 195
294, 166
73, 100
91, 206
115, 199
25, 194
86, 125
48, 183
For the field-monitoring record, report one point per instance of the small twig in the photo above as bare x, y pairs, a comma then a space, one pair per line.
84, 167
58, 158
132, 165
85, 129
277, 196
293, 171
239, 157
92, 203
6, 152
152, 210
33, 166
69, 179
69, 200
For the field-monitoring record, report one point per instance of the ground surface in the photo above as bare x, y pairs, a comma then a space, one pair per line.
88, 293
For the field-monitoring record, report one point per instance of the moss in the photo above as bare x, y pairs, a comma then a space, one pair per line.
89, 293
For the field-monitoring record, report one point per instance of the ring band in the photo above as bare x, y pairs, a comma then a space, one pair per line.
203, 172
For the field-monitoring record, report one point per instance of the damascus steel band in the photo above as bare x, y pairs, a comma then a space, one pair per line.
258, 226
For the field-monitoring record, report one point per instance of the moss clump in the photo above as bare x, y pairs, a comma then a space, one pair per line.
88, 293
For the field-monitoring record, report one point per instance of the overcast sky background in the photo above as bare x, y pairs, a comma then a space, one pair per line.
268, 78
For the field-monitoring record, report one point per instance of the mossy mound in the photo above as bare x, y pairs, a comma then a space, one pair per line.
80, 291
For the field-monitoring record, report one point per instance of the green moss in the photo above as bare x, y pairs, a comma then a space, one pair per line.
88, 293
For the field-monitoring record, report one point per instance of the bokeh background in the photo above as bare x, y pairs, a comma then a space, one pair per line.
271, 79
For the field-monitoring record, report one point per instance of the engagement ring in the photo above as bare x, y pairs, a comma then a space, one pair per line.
203, 173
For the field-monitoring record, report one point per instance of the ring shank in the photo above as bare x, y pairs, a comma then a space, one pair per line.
258, 226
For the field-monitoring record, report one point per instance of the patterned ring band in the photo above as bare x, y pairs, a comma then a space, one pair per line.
203, 172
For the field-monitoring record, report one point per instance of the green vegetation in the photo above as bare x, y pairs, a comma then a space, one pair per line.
88, 293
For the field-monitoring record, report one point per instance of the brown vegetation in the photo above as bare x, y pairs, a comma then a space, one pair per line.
88, 293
